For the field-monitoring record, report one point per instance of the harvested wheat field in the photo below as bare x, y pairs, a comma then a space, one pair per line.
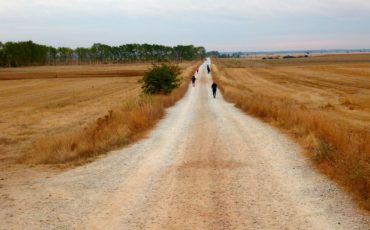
74, 71
323, 101
36, 106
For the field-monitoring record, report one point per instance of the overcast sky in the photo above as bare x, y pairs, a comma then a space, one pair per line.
224, 25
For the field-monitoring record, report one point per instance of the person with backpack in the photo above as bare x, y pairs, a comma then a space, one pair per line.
214, 89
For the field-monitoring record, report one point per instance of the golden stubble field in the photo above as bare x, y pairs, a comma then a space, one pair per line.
48, 101
324, 101
317, 83
73, 71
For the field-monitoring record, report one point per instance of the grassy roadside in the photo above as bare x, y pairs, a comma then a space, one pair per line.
337, 148
119, 127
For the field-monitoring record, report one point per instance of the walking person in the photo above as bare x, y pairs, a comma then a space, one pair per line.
193, 79
214, 89
208, 69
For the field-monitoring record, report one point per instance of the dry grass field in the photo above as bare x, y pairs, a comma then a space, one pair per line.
40, 113
323, 101
73, 71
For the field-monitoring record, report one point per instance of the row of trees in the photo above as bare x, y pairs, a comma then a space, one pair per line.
213, 54
13, 54
224, 55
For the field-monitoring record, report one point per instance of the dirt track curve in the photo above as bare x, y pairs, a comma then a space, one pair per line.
205, 166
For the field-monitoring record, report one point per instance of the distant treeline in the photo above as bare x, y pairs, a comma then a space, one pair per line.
28, 53
224, 55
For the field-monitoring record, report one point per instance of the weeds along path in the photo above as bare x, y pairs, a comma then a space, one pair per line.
205, 166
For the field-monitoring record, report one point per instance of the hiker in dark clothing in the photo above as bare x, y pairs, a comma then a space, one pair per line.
193, 79
214, 89
208, 69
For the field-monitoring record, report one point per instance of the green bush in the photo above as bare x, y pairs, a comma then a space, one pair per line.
161, 79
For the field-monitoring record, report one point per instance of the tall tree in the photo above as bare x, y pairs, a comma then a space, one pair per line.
65, 55
2, 55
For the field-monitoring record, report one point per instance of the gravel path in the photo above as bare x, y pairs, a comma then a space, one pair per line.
205, 166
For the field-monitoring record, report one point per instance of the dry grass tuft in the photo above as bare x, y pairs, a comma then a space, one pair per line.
337, 141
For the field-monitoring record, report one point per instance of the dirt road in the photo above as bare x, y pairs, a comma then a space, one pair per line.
205, 166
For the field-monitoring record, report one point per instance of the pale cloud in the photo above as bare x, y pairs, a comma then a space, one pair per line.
237, 24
